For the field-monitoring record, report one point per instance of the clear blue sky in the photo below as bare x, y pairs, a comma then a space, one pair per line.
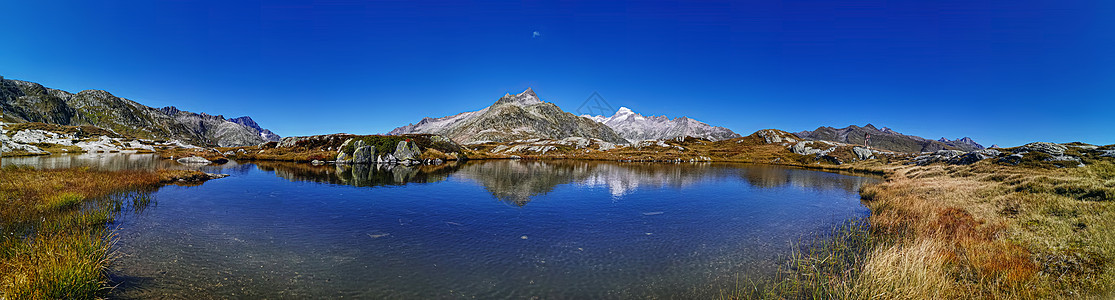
1002, 72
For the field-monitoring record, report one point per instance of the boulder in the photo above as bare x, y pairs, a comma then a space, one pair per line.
364, 154
804, 148
1079, 163
973, 157
342, 157
407, 150
193, 160
862, 153
1045, 147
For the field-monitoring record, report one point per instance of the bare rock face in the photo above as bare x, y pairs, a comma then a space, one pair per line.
513, 117
771, 136
1045, 147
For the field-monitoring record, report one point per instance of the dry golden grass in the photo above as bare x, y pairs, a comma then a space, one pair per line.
992, 231
53, 240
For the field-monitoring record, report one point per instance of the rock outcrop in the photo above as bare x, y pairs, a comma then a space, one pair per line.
1058, 155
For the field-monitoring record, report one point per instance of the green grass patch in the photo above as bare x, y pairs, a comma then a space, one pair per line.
61, 200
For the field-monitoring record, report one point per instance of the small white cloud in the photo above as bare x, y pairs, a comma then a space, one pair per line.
536, 34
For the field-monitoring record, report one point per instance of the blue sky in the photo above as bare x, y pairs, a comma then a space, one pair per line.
1001, 72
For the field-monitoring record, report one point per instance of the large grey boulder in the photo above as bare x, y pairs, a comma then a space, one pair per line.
862, 153
803, 148
407, 150
1045, 147
364, 155
342, 157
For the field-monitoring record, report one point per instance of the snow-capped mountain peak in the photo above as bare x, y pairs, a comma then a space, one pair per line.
635, 127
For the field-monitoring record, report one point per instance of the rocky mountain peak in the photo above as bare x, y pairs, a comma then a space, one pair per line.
509, 120
170, 110
525, 98
965, 143
246, 121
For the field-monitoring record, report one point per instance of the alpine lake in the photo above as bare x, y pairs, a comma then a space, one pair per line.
477, 229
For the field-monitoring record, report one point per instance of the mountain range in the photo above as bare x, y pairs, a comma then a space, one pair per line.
887, 139
23, 101
513, 117
635, 127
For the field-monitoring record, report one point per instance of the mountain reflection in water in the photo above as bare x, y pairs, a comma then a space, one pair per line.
518, 181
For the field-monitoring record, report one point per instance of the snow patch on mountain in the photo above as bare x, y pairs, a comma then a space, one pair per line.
635, 127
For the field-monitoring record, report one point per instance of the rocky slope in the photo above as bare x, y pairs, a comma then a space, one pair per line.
513, 117
22, 101
886, 139
635, 127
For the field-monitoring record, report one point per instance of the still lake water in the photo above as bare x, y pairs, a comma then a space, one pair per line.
486, 229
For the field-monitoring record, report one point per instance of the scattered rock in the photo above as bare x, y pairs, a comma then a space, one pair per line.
1107, 153
1079, 163
939, 156
974, 157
